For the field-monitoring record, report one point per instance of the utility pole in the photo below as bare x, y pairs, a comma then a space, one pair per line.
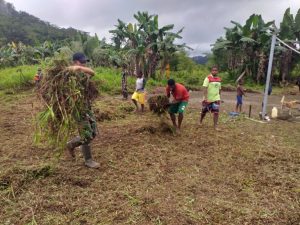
265, 102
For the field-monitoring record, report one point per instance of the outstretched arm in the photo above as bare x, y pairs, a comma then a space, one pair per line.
82, 69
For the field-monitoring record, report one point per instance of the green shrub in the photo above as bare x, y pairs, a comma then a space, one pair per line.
17, 77
108, 80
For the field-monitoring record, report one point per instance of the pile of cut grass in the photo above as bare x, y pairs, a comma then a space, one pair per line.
66, 96
158, 104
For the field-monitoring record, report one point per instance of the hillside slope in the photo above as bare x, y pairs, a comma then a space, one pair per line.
21, 26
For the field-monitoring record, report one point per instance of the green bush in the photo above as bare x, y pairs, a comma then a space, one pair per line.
295, 72
109, 79
17, 77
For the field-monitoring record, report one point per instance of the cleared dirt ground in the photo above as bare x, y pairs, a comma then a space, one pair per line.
248, 173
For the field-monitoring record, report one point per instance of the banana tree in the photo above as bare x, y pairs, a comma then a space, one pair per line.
287, 33
167, 49
142, 41
244, 47
297, 26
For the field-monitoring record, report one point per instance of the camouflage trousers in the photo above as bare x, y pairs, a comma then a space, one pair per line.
87, 127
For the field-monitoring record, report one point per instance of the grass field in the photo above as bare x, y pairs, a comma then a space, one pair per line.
109, 80
246, 174
17, 77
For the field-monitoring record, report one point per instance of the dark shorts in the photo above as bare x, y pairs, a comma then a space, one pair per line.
213, 107
239, 100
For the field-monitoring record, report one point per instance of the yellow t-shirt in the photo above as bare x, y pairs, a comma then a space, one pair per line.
213, 85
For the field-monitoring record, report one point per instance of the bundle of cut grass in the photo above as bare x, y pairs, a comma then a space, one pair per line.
66, 96
158, 104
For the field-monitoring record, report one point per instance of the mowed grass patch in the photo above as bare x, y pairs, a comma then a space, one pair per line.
246, 174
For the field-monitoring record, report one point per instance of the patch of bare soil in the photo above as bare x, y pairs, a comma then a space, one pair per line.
247, 173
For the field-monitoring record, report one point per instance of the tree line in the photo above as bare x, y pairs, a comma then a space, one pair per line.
139, 47
245, 48
144, 46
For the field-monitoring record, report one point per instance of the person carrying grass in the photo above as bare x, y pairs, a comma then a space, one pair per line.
87, 127
180, 102
139, 93
212, 96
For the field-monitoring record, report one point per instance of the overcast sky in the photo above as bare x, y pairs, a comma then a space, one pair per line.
203, 20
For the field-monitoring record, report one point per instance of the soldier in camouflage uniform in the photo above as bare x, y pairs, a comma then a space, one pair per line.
87, 127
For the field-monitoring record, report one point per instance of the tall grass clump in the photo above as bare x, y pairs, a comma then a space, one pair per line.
17, 78
109, 80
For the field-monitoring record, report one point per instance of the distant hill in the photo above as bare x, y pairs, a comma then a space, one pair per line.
21, 26
200, 59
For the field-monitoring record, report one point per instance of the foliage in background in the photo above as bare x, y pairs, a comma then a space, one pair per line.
146, 44
17, 78
146, 47
245, 48
22, 27
108, 80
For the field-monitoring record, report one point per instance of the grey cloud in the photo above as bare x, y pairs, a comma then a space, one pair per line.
203, 20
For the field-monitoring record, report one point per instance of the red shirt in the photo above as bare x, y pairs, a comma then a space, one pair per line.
179, 93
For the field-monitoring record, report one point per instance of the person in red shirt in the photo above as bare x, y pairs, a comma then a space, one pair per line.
178, 105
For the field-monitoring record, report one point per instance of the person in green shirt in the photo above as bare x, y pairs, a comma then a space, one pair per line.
212, 96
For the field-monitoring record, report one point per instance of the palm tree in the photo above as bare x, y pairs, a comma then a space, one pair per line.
288, 34
297, 26
244, 47
144, 41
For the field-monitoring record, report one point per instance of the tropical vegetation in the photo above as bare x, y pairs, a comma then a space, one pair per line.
144, 46
245, 48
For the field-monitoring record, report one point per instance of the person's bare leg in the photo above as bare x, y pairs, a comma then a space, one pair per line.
240, 108
202, 117
180, 118
236, 107
143, 107
136, 105
173, 118
216, 119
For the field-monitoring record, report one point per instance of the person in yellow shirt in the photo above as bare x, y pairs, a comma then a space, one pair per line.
212, 96
139, 94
